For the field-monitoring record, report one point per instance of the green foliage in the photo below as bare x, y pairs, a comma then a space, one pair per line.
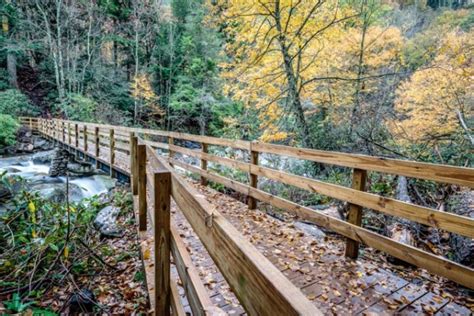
15, 103
79, 108
8, 131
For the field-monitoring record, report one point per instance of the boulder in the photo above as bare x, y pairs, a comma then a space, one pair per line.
106, 222
310, 229
82, 302
44, 157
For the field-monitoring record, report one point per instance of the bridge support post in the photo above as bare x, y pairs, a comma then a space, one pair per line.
252, 202
133, 163
162, 237
97, 146
359, 179
141, 168
85, 138
76, 139
204, 150
112, 151
171, 152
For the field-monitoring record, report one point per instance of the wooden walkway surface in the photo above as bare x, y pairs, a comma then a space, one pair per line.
337, 285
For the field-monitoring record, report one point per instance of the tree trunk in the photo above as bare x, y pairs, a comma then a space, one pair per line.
293, 91
11, 58
401, 230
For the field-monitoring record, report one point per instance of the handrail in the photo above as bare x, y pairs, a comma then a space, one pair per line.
357, 198
435, 172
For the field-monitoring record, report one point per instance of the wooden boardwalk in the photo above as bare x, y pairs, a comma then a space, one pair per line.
336, 285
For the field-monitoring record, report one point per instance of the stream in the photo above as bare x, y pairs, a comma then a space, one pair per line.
35, 167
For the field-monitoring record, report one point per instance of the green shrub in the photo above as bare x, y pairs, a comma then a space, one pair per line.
15, 103
79, 108
8, 131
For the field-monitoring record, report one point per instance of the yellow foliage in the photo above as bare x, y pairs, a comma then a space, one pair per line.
430, 99
143, 92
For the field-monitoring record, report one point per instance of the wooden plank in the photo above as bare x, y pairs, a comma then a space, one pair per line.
111, 151
133, 161
157, 144
204, 150
141, 168
97, 145
176, 305
198, 298
234, 143
441, 173
85, 138
435, 264
252, 202
359, 178
162, 238
247, 271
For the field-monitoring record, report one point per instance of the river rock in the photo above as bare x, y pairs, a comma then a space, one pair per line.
56, 192
106, 221
44, 157
310, 229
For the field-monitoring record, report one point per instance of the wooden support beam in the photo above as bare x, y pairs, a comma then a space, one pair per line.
170, 144
359, 179
85, 138
112, 151
63, 128
76, 135
69, 133
141, 168
162, 238
204, 149
133, 163
252, 203
97, 146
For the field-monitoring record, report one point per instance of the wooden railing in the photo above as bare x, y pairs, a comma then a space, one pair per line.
121, 142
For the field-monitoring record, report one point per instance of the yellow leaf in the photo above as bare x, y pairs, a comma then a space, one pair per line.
66, 252
32, 207
146, 254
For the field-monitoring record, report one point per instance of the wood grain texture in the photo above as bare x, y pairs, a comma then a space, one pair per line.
162, 241
359, 178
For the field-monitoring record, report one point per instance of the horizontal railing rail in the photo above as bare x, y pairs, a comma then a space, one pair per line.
356, 195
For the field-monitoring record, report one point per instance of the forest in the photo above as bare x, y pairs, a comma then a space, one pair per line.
368, 76
387, 78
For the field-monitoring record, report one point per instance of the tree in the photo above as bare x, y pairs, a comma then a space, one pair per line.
277, 48
437, 102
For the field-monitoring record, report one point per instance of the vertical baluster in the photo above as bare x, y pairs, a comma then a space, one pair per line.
204, 150
141, 166
359, 179
162, 203
252, 202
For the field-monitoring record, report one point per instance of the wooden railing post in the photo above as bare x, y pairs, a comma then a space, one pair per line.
97, 146
162, 205
76, 140
141, 169
63, 129
76, 136
112, 151
31, 124
171, 153
359, 179
85, 138
133, 163
204, 150
252, 202
69, 133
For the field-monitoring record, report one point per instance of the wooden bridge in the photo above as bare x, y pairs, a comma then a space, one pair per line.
198, 253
